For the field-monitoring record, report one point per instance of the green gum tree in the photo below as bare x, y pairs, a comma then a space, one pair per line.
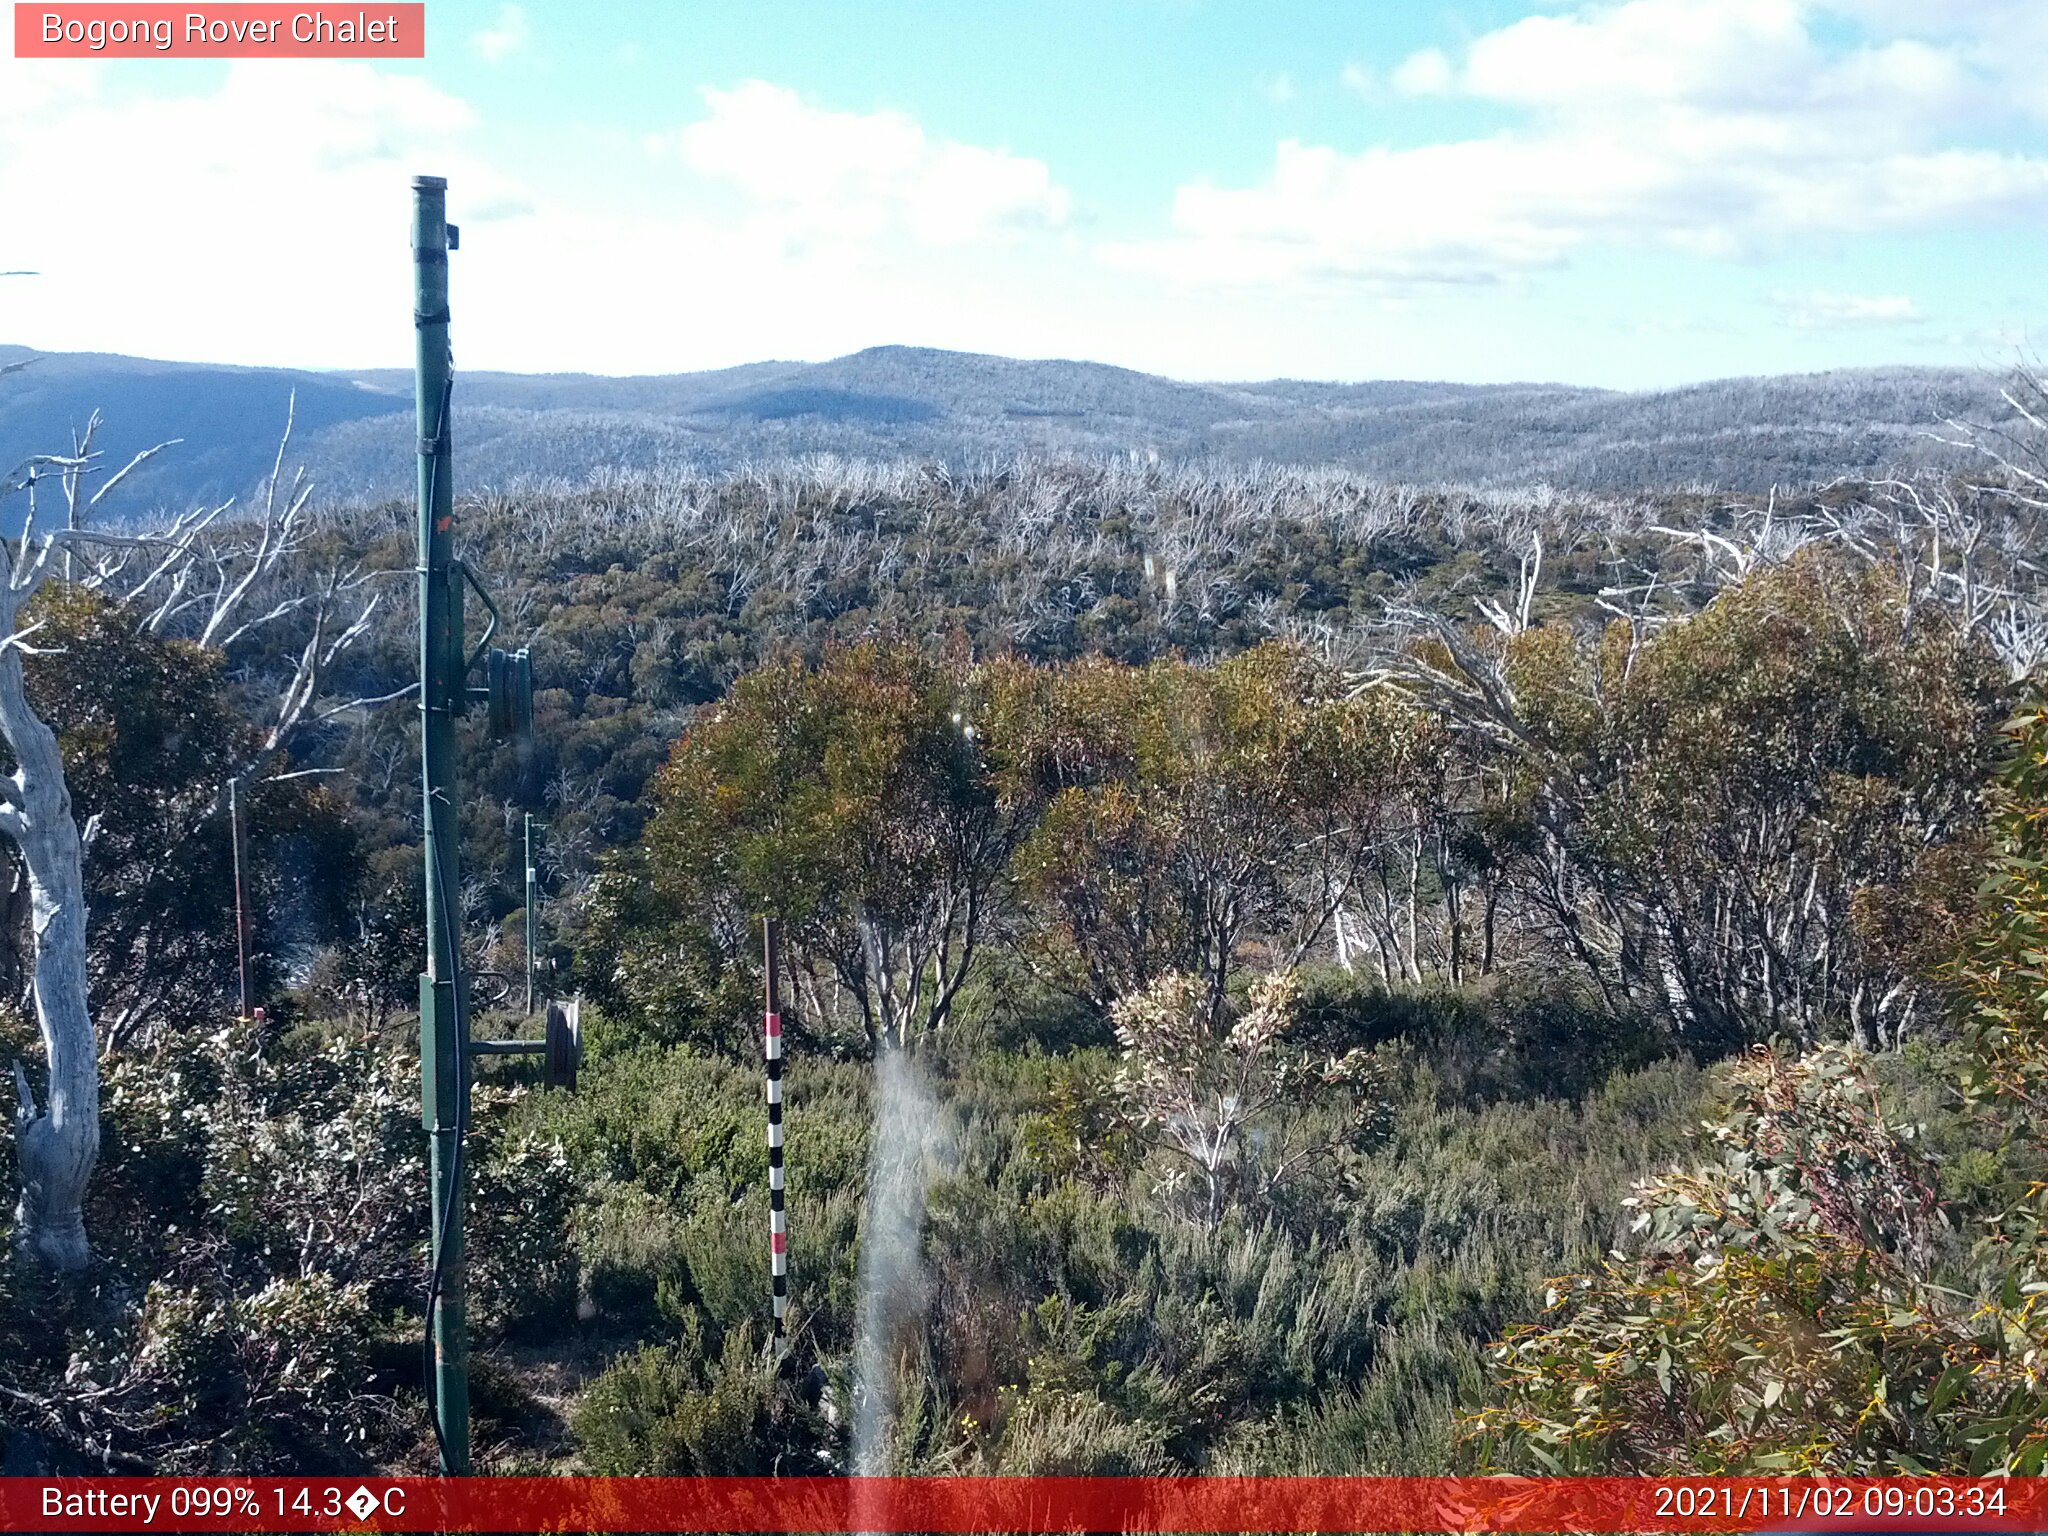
1783, 1305
860, 800
1190, 810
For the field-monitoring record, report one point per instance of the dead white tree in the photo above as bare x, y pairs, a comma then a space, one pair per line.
194, 561
56, 1147
1512, 621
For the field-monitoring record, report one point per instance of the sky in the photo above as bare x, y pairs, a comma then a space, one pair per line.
1631, 195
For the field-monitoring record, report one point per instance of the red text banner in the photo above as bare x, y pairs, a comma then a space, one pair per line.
246, 29
1023, 1504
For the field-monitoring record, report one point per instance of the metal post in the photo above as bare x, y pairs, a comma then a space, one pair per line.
532, 900
778, 1218
241, 905
444, 1024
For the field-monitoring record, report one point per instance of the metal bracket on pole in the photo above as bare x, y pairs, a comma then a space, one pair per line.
440, 1090
562, 1045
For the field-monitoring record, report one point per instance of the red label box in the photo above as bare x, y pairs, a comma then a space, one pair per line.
1036, 1506
255, 30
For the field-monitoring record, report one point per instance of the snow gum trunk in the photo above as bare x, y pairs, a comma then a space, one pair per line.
57, 1146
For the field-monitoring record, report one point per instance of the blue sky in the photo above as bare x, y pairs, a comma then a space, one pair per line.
1628, 194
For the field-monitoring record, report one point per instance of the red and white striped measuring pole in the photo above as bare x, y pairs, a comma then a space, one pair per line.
778, 1218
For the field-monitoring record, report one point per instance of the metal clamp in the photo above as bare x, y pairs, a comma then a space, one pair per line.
562, 1046
483, 643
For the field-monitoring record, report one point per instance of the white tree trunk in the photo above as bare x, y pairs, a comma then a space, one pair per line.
57, 1146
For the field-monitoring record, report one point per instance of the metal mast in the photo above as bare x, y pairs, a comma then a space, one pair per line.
444, 1027
445, 665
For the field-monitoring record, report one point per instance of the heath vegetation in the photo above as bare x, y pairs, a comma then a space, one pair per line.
1395, 981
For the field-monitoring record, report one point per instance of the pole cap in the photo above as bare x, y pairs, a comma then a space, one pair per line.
430, 183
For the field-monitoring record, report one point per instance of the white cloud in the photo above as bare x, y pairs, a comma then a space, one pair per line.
1822, 311
1424, 73
773, 227
1278, 89
768, 228
1358, 78
2003, 41
1705, 52
857, 176
291, 176
1718, 127
508, 35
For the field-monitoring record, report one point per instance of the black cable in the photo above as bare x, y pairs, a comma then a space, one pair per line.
451, 937
438, 1274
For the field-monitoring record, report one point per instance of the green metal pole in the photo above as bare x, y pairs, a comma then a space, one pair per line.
443, 1015
532, 898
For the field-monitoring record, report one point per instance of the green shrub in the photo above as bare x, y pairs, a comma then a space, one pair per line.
666, 1410
634, 1271
1512, 1037
522, 1268
267, 1380
1061, 1433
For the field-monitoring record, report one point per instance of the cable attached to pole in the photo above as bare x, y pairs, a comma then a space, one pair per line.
437, 1274
451, 939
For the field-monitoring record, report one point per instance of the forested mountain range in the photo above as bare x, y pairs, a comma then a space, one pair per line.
354, 430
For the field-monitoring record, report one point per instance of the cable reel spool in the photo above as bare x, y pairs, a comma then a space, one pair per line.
509, 684
564, 1044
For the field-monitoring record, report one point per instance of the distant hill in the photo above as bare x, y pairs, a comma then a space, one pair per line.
229, 418
355, 431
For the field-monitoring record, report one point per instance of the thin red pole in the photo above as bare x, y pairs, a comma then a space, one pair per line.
241, 905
